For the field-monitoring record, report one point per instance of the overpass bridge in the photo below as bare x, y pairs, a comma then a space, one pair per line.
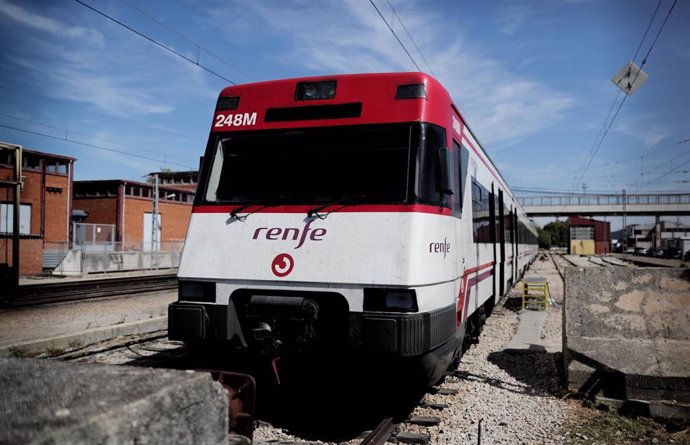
659, 204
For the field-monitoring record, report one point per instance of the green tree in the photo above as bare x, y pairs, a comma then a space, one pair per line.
554, 234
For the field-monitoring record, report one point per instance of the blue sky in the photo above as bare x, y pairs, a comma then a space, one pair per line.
533, 78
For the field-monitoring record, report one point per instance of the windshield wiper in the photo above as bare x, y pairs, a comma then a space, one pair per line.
346, 201
263, 203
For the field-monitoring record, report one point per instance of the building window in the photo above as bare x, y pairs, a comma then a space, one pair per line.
582, 233
31, 162
7, 218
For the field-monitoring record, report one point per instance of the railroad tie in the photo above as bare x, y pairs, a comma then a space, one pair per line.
437, 406
443, 391
423, 420
414, 438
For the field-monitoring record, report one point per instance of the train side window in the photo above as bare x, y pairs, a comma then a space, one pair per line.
463, 165
214, 182
481, 219
457, 183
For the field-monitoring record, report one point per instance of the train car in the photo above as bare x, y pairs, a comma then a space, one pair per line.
347, 213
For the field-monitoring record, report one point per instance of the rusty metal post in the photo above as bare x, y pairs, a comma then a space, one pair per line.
12, 282
15, 216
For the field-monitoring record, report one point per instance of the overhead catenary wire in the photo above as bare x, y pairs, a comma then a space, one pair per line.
672, 170
66, 138
179, 34
602, 134
67, 132
108, 115
661, 162
394, 35
598, 145
155, 42
411, 39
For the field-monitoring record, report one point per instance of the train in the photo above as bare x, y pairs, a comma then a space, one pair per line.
349, 213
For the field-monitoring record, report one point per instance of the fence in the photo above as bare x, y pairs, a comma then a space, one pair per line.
167, 256
96, 237
95, 250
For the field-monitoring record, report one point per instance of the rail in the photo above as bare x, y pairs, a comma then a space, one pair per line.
46, 293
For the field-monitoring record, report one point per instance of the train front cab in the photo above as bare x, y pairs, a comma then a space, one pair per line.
275, 322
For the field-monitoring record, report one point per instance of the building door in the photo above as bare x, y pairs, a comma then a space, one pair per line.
152, 239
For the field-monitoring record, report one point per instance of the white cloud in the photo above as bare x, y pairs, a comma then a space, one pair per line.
642, 128
48, 24
349, 37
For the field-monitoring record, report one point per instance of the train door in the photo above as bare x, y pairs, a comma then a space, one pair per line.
513, 226
492, 228
501, 244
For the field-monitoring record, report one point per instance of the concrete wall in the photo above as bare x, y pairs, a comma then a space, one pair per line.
128, 260
77, 262
70, 264
45, 401
628, 328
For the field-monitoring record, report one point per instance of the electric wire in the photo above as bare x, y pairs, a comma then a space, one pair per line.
109, 116
67, 132
661, 162
179, 34
644, 61
394, 35
672, 170
601, 136
410, 36
98, 147
155, 42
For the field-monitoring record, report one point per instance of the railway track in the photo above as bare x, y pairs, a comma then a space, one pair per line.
57, 292
154, 350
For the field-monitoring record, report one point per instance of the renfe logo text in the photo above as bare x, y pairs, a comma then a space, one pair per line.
443, 247
291, 233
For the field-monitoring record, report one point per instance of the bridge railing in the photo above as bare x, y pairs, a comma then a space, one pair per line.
605, 200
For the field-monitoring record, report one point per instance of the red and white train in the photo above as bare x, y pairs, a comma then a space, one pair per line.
348, 212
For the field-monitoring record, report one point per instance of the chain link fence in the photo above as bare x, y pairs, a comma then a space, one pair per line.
95, 250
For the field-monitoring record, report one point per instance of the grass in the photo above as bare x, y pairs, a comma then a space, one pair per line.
16, 352
602, 424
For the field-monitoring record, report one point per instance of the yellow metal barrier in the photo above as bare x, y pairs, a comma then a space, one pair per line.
535, 293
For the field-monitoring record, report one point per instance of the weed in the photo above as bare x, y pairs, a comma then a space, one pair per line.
16, 352
603, 424
54, 352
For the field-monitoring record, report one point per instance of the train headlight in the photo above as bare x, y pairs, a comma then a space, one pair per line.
196, 291
315, 90
390, 300
228, 103
412, 91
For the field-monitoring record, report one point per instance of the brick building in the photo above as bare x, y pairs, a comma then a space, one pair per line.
588, 236
128, 205
45, 207
186, 180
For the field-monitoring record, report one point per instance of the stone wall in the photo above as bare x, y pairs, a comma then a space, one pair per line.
627, 332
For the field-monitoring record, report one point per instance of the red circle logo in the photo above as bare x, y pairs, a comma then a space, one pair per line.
282, 265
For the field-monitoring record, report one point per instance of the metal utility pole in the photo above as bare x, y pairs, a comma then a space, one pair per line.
154, 217
16, 184
625, 228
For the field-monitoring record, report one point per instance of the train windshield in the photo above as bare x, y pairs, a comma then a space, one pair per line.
370, 164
